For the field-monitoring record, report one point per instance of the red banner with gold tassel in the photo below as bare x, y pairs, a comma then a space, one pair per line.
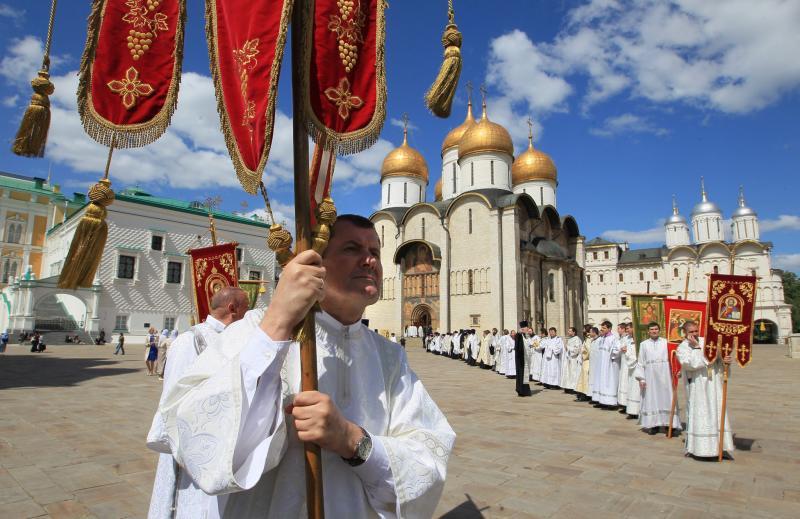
213, 268
676, 313
246, 40
344, 76
131, 70
730, 310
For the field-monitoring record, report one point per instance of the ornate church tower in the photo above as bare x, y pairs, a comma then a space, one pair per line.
450, 169
485, 154
706, 219
745, 221
404, 175
535, 173
676, 228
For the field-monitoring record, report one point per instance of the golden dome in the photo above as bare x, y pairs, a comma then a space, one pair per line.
485, 136
533, 164
437, 191
456, 133
404, 161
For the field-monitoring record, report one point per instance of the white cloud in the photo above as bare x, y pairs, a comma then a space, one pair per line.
732, 56
22, 61
401, 124
652, 235
627, 123
789, 262
10, 101
17, 15
784, 222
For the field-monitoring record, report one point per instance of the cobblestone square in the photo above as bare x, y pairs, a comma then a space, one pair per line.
74, 420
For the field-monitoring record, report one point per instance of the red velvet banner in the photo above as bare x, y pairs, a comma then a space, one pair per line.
730, 310
676, 313
213, 268
344, 72
131, 70
246, 40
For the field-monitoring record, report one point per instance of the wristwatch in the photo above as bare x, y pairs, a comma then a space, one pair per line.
363, 450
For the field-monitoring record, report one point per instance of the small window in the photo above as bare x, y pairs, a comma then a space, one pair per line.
491, 167
255, 275
655, 274
601, 278
469, 282
388, 193
621, 277
121, 323
675, 273
641, 276
594, 255
472, 173
588, 278
125, 267
169, 323
454, 178
469, 214
405, 192
476, 319
753, 272
174, 269
623, 301
605, 254
157, 242
551, 287
603, 301
239, 253
716, 269
382, 235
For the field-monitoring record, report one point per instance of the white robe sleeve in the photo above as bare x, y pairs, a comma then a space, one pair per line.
630, 354
691, 359
418, 443
224, 419
638, 372
614, 349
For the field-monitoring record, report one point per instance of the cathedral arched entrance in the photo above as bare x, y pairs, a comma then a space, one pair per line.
419, 263
765, 332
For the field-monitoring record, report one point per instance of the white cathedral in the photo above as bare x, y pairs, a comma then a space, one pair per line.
679, 268
489, 251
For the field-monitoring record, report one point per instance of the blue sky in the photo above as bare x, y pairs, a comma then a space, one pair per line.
634, 100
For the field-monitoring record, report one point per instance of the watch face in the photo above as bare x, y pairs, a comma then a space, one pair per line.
364, 448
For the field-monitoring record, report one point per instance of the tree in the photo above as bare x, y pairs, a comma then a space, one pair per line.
791, 292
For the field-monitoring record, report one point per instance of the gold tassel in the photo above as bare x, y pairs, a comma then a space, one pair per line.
32, 134
439, 97
86, 249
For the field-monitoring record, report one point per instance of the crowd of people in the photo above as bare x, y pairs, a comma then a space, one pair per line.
607, 370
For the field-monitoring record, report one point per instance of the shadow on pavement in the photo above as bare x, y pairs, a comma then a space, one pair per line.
41, 370
466, 510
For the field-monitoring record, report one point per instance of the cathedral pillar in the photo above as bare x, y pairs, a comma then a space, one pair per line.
512, 306
497, 267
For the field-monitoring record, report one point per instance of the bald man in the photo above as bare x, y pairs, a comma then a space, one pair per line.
174, 493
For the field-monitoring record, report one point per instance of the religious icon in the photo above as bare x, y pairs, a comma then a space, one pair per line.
648, 314
730, 308
677, 318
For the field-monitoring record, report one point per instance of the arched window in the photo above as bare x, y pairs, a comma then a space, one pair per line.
423, 228
716, 269
641, 276
405, 192
603, 301
470, 282
621, 277
675, 272
491, 168
551, 287
388, 193
469, 216
471, 173
601, 278
454, 178
382, 242
420, 193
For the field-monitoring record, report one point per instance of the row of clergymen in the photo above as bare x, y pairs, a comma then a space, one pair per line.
605, 369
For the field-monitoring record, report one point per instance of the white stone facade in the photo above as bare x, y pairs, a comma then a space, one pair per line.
152, 297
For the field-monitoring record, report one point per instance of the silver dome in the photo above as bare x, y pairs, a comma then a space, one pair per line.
705, 206
743, 210
676, 217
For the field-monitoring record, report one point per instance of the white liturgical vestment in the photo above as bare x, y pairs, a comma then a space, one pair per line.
606, 384
574, 361
704, 407
536, 359
653, 367
226, 425
551, 362
191, 501
510, 359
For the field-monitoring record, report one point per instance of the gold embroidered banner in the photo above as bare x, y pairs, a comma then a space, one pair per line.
213, 268
730, 310
131, 70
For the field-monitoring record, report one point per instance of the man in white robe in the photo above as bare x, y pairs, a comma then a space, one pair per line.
574, 360
634, 393
501, 348
529, 353
654, 376
552, 347
536, 356
605, 373
174, 492
237, 419
508, 348
447, 345
627, 361
703, 384
496, 345
474, 347
584, 387
483, 353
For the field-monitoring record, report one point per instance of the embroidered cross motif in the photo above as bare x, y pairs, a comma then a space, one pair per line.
343, 98
130, 88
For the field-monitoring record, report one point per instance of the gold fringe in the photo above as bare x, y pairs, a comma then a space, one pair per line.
439, 98
31, 137
86, 249
249, 179
125, 135
357, 140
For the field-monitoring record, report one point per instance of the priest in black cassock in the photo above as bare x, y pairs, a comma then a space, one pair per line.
523, 388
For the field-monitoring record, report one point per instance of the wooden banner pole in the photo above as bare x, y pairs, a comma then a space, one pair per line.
674, 396
726, 368
303, 241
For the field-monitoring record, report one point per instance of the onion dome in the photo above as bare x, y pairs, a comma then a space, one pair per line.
705, 206
743, 210
456, 133
437, 191
533, 164
676, 217
404, 161
485, 136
